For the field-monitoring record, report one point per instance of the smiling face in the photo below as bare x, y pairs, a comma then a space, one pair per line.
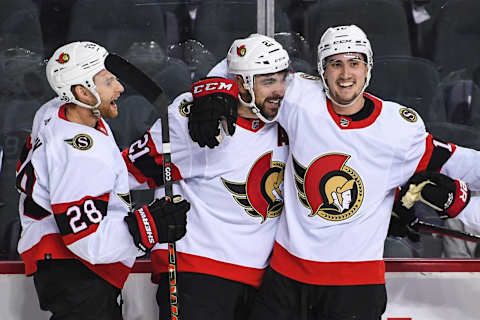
269, 90
345, 75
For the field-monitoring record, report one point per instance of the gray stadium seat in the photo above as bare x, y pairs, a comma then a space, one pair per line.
457, 36
117, 26
20, 25
298, 50
172, 74
23, 75
384, 22
218, 23
462, 135
410, 81
198, 59
174, 78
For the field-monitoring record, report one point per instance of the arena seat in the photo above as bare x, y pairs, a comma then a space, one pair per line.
218, 23
460, 134
20, 25
198, 59
298, 50
457, 36
410, 81
117, 26
384, 22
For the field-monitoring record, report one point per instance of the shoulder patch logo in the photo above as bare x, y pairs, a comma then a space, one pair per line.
184, 107
328, 187
81, 142
309, 76
408, 114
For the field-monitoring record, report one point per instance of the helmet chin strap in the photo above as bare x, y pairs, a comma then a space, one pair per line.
254, 107
96, 113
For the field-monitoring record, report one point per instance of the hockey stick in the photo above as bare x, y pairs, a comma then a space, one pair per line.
156, 96
425, 226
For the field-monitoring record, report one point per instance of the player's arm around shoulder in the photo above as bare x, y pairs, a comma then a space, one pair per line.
144, 156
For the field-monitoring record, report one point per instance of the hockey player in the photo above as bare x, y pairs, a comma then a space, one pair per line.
349, 151
80, 236
235, 189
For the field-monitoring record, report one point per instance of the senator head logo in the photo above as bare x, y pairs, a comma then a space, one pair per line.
328, 187
261, 194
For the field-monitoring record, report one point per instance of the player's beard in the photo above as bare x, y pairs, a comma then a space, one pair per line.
270, 112
343, 98
108, 110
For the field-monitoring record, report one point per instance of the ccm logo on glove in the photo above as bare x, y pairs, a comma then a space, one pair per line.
209, 86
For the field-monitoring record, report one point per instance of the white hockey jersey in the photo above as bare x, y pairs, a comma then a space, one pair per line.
235, 191
340, 183
74, 194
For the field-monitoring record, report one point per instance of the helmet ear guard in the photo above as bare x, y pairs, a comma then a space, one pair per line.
76, 63
344, 39
256, 55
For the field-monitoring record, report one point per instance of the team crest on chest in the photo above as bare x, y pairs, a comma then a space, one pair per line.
81, 142
328, 187
260, 195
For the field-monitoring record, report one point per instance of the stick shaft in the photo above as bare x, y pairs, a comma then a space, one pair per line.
425, 226
156, 96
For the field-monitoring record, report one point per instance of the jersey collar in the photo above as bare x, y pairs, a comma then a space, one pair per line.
100, 126
253, 125
346, 122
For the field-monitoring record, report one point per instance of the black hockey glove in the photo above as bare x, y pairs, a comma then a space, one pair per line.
215, 101
161, 221
402, 223
444, 194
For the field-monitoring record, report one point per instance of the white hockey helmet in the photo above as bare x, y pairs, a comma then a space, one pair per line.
76, 63
344, 39
256, 55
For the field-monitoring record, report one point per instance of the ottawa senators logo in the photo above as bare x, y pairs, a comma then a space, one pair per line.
63, 58
328, 187
241, 51
309, 77
81, 142
408, 114
260, 195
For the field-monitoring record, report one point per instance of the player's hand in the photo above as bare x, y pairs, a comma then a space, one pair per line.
444, 194
215, 101
161, 221
402, 223
170, 218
